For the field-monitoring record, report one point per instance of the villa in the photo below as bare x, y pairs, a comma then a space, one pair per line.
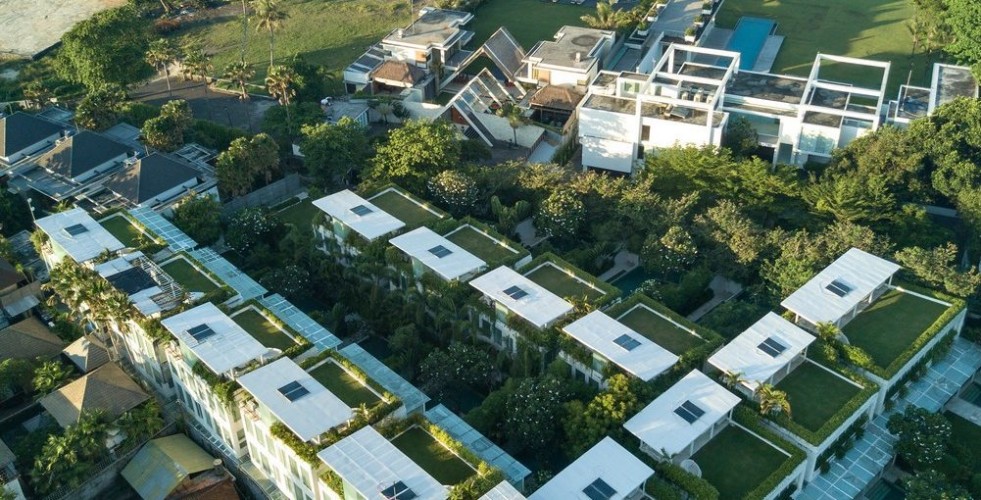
349, 214
430, 252
947, 83
72, 163
606, 471
22, 135
610, 341
76, 235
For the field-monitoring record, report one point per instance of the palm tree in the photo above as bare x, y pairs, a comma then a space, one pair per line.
141, 422
384, 108
245, 27
279, 82
772, 400
515, 116
161, 54
197, 64
731, 379
240, 72
828, 332
606, 17
271, 17
49, 376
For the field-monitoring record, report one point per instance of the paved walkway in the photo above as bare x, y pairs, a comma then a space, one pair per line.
623, 263
722, 290
862, 464
768, 54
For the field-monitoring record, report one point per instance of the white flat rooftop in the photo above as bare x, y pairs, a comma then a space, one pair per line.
682, 413
618, 343
442, 256
762, 350
522, 296
81, 237
605, 467
142, 299
841, 286
295, 398
503, 491
359, 214
372, 465
214, 338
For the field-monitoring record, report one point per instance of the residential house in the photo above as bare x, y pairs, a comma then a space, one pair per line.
22, 134
72, 165
430, 252
947, 83
174, 467
473, 109
75, 234
29, 339
606, 471
9, 477
86, 354
572, 59
10, 277
107, 388
351, 215
155, 180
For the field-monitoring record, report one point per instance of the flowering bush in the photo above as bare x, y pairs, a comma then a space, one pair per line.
455, 191
923, 436
561, 215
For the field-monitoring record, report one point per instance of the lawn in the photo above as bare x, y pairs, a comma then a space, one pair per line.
189, 277
736, 462
432, 456
528, 20
815, 394
482, 246
331, 33
299, 214
338, 381
402, 208
123, 230
870, 29
660, 331
891, 324
966, 433
261, 329
561, 283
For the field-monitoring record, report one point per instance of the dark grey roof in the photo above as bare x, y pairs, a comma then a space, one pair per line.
131, 281
80, 153
21, 130
505, 51
149, 177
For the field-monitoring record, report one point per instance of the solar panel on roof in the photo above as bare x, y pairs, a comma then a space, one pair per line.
200, 332
76, 229
689, 411
293, 391
440, 251
398, 491
627, 342
838, 288
515, 292
361, 210
772, 347
599, 490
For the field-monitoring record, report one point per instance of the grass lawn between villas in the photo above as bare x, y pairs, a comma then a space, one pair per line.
402, 208
561, 283
660, 331
123, 230
868, 29
815, 394
480, 245
188, 276
338, 381
891, 324
299, 214
736, 462
967, 433
261, 329
433, 457
528, 20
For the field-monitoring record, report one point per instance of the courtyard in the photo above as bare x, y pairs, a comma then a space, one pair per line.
736, 462
660, 330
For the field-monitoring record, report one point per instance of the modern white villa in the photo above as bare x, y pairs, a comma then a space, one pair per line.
430, 252
610, 341
764, 353
607, 471
347, 212
76, 235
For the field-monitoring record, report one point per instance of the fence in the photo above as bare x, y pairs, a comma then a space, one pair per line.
272, 194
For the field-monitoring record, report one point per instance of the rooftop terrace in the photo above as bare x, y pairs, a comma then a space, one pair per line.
890, 325
573, 47
736, 462
411, 211
769, 87
433, 27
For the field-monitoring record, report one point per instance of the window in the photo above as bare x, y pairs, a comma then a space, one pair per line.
76, 229
293, 391
772, 347
398, 491
361, 210
515, 292
440, 251
201, 332
689, 411
599, 490
627, 342
645, 133
838, 288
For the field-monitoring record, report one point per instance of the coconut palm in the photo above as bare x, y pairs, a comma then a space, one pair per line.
141, 422
606, 17
732, 378
197, 64
772, 400
271, 17
384, 108
240, 72
828, 332
515, 116
161, 54
49, 376
279, 82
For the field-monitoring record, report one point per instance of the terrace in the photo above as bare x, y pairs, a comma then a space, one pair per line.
816, 394
345, 386
890, 325
123, 229
410, 211
563, 283
661, 330
736, 462
189, 276
434, 457
263, 329
483, 245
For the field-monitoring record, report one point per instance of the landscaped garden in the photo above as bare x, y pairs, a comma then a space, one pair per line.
966, 433
659, 330
263, 330
890, 325
436, 459
481, 245
189, 277
815, 394
736, 462
123, 230
562, 283
338, 381
528, 20
300, 214
869, 29
403, 208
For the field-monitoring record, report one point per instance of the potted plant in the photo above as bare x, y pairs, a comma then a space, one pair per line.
690, 34
707, 7
699, 21
642, 28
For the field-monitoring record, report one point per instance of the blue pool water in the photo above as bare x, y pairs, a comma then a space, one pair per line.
748, 39
630, 281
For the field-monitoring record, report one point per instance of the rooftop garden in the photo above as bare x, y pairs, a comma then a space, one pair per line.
344, 385
820, 401
485, 243
433, 456
123, 229
736, 462
568, 281
660, 330
262, 329
189, 276
299, 213
405, 207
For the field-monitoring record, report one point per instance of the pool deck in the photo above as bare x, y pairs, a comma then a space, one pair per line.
623, 263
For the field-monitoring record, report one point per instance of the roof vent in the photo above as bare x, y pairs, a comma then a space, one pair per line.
578, 56
400, 32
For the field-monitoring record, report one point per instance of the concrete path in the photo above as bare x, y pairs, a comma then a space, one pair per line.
527, 234
623, 263
723, 290
768, 54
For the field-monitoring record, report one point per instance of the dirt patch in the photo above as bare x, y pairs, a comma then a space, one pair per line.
33, 26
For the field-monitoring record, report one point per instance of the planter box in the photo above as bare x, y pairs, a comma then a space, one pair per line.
689, 38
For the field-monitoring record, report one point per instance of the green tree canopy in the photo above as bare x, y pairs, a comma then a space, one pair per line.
561, 215
455, 191
108, 47
604, 415
923, 436
200, 218
964, 19
415, 152
100, 107
166, 131
332, 152
245, 160
534, 413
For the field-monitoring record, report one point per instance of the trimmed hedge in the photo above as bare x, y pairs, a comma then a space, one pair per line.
610, 292
869, 389
694, 486
750, 420
352, 368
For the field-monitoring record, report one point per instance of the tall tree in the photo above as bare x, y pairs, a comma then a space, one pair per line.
964, 19
606, 17
244, 161
271, 17
109, 47
335, 151
49, 376
280, 81
240, 72
100, 107
161, 55
200, 218
924, 436
166, 131
515, 116
197, 64
415, 152
534, 413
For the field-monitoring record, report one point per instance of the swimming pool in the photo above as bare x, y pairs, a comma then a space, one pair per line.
748, 39
631, 280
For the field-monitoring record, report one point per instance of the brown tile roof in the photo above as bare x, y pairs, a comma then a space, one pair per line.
557, 97
87, 354
28, 339
398, 71
9, 275
108, 388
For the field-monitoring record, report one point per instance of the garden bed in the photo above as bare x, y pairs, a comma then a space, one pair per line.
343, 385
562, 283
404, 208
660, 330
736, 462
889, 326
263, 330
189, 276
123, 229
435, 458
816, 395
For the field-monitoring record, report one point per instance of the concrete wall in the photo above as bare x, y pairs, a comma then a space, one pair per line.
666, 134
528, 135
